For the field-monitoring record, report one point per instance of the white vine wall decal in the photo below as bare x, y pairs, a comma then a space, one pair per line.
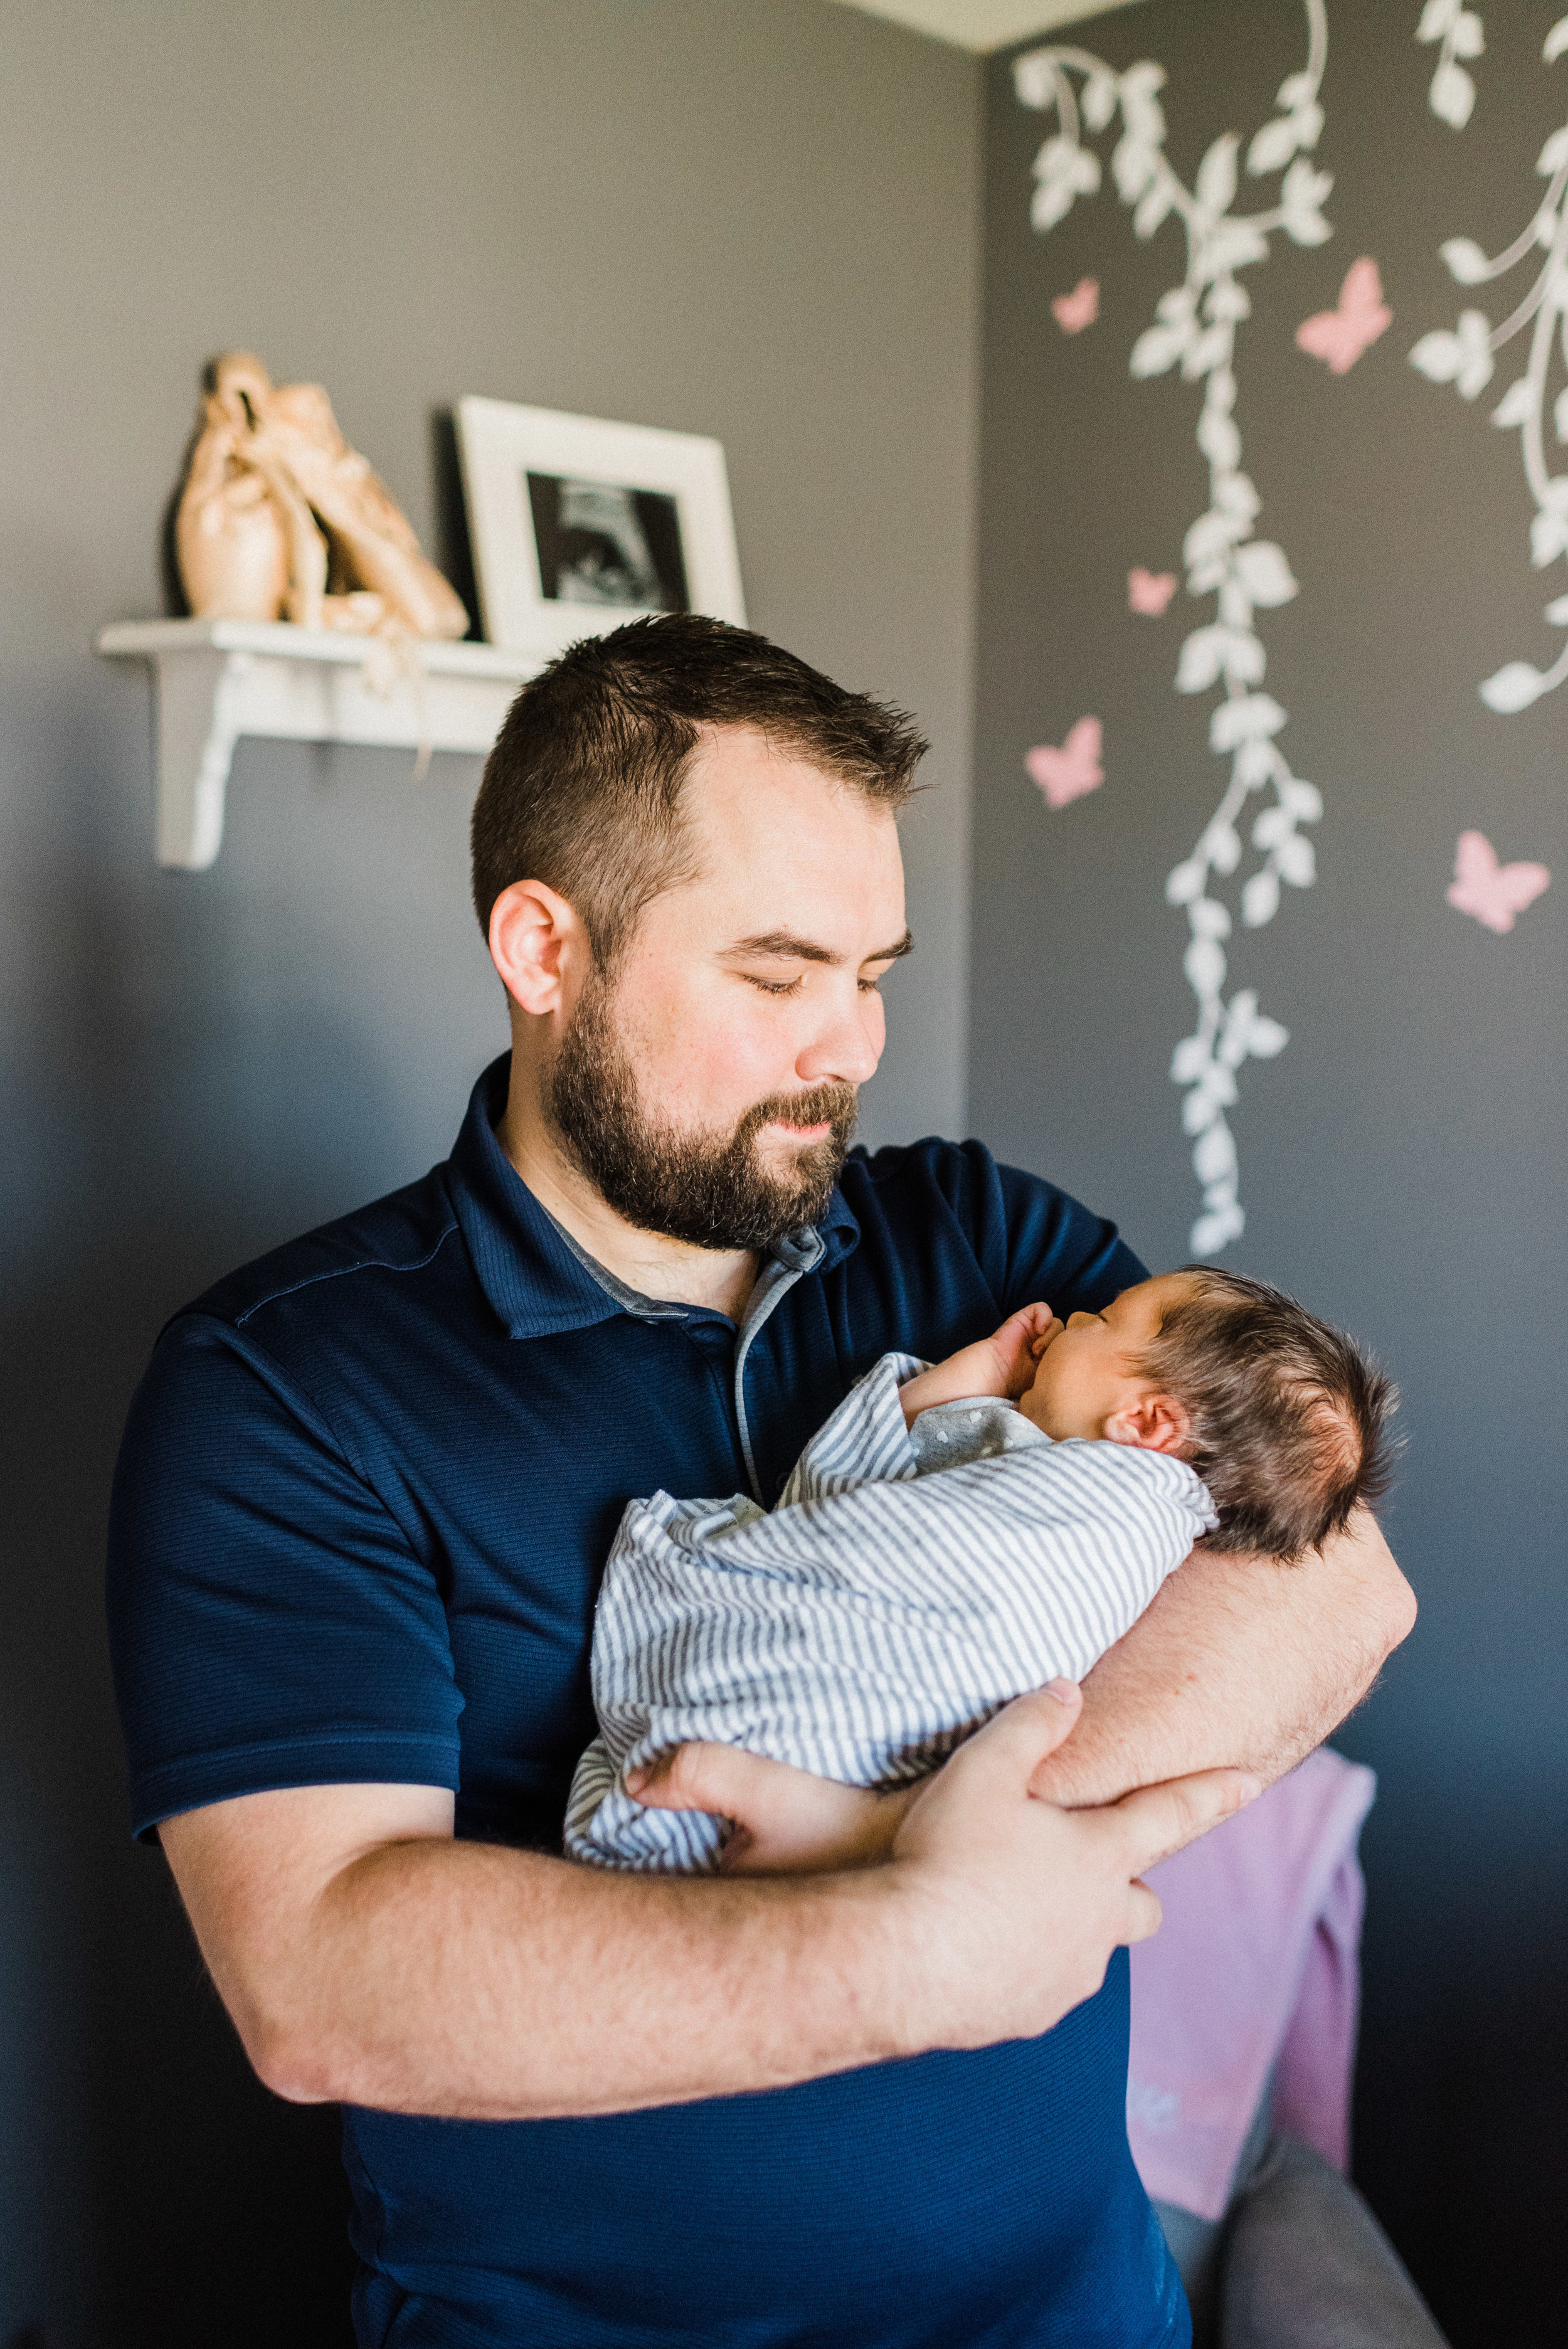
1195, 330
1467, 356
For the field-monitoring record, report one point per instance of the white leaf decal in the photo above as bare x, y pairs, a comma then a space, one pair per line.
1236, 495
1272, 147
1132, 166
1556, 41
1204, 964
1553, 155
1234, 244
1212, 533
1517, 405
1264, 573
1218, 437
1296, 862
1201, 660
1513, 688
1215, 1232
1245, 660
1157, 350
1548, 538
1438, 356
1155, 207
1034, 79
1557, 612
1467, 264
1215, 1155
1100, 100
1475, 370
1452, 95
1260, 899
1468, 38
1257, 715
1436, 19
1216, 183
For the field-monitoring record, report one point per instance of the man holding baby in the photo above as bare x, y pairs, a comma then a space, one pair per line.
865, 2085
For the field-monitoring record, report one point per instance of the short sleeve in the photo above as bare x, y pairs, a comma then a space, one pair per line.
1035, 1243
269, 1623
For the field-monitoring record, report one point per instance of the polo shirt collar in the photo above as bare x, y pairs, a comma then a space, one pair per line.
534, 1284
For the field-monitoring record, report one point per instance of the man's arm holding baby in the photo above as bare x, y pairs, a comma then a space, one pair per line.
1238, 1661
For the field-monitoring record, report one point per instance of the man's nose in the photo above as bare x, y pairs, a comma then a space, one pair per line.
848, 1047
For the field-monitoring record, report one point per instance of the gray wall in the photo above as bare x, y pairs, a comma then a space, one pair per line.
759, 222
1403, 1159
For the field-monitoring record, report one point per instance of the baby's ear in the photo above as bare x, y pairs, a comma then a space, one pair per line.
1154, 1423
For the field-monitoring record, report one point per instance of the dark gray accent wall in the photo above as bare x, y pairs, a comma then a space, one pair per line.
1402, 1160
755, 222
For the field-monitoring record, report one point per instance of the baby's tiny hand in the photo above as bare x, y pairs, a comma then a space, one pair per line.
1048, 1335
1018, 1345
1002, 1364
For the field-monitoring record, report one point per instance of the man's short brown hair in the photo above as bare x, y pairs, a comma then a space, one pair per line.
1289, 1418
582, 789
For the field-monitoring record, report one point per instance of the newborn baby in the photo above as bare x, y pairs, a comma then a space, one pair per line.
958, 1533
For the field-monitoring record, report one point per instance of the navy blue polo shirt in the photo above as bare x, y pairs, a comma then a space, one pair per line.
364, 1500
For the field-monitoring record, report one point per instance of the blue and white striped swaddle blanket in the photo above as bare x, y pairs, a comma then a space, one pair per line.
908, 1584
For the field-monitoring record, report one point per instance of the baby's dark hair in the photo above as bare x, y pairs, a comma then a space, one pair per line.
1290, 1418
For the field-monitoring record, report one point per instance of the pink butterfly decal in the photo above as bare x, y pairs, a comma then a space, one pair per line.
1341, 335
1066, 774
1149, 592
1075, 311
1493, 893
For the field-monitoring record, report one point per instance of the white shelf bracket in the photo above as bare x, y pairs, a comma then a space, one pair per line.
217, 680
198, 723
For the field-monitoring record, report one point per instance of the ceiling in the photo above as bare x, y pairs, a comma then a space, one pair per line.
984, 25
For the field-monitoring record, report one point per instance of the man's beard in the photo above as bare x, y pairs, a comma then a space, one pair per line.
711, 1191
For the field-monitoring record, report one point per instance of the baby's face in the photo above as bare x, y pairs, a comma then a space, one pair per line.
1086, 1376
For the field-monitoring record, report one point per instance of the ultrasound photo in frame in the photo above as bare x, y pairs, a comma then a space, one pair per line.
578, 524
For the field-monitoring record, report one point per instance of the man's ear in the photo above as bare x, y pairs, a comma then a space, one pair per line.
1154, 1423
538, 947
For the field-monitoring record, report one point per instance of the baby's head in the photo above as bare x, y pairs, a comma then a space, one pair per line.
1285, 1419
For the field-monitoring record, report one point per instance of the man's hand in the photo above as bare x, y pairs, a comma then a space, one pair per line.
1071, 1879
786, 1822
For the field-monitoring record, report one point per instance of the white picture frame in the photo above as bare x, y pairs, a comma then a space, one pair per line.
578, 525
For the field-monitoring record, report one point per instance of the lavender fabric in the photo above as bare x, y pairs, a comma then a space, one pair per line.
1256, 1970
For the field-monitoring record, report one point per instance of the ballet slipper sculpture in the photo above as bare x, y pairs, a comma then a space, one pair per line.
280, 518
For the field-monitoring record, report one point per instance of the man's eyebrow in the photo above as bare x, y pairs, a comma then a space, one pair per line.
783, 946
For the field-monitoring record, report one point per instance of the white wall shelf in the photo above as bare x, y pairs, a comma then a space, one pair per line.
218, 679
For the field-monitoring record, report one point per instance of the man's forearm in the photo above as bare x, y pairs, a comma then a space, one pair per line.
1240, 1661
367, 1958
478, 1981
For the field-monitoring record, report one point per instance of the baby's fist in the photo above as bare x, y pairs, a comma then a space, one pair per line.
1018, 1345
